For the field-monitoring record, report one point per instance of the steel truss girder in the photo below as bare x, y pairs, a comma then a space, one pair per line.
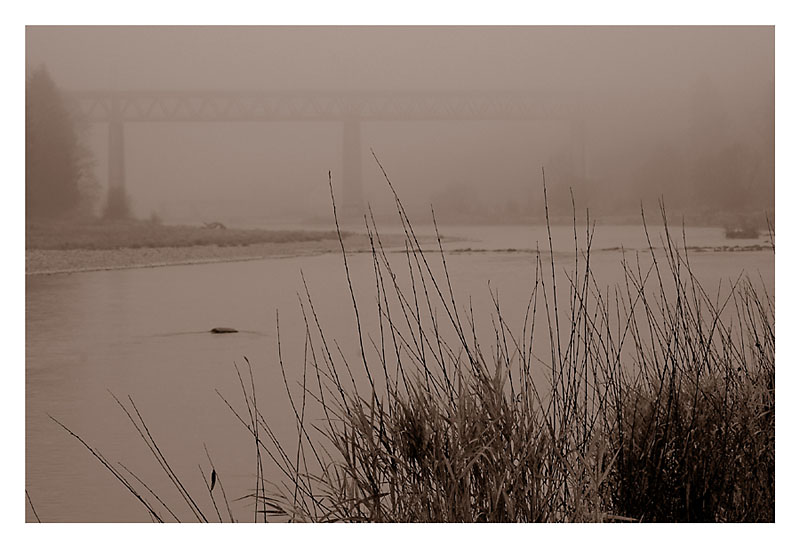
165, 106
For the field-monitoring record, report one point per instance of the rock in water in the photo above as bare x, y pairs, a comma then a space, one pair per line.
224, 330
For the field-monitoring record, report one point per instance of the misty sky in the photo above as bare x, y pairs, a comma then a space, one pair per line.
645, 78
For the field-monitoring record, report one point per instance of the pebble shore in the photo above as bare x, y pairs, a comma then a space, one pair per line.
57, 261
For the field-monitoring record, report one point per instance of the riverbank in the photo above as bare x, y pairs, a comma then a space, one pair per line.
56, 248
61, 261
98, 234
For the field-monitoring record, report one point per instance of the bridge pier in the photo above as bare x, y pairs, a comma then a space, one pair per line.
352, 190
117, 201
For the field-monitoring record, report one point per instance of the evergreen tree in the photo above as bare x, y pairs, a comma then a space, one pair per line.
55, 161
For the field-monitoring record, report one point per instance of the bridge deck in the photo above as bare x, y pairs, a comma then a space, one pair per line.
194, 106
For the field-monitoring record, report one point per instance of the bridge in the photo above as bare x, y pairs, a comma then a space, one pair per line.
351, 109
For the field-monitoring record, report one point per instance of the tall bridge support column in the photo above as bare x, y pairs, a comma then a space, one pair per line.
117, 203
352, 199
578, 145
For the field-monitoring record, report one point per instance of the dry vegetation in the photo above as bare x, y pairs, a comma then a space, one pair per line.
659, 404
650, 401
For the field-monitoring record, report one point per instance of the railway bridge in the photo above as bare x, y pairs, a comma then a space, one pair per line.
350, 109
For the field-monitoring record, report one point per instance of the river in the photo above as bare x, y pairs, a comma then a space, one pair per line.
144, 333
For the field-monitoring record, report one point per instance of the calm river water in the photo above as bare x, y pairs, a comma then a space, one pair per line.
144, 333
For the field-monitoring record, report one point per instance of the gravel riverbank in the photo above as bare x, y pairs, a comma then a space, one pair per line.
58, 261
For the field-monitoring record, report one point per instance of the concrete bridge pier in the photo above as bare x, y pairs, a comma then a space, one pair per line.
117, 201
352, 205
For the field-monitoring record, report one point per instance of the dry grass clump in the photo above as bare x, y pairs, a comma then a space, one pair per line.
695, 434
654, 402
693, 418
650, 401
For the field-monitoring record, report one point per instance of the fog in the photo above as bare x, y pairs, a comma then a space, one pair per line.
686, 113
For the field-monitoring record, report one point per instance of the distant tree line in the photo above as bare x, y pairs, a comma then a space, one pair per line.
59, 179
712, 172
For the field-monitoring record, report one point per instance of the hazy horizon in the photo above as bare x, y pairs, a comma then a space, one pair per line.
659, 102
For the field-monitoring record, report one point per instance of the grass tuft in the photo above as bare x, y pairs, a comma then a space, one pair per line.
653, 400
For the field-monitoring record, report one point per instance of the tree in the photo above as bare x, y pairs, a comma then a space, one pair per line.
57, 166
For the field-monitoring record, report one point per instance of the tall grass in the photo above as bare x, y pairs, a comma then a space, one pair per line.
652, 400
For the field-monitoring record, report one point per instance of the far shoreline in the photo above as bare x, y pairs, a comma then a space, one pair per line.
71, 261
89, 245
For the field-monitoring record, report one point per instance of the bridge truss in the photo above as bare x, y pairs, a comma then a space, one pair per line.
350, 108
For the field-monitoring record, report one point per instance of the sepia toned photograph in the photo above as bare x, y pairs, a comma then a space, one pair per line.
399, 274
